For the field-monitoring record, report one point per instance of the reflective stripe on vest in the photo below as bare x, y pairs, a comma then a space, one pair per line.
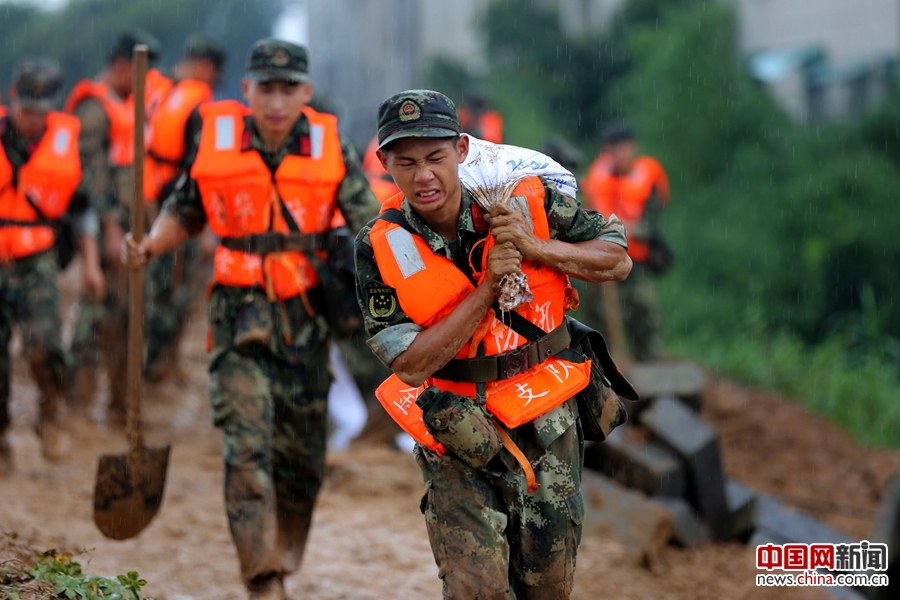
430, 286
239, 198
626, 196
49, 178
165, 133
119, 113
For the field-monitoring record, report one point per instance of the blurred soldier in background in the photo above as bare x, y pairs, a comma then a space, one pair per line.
476, 116
40, 185
380, 181
104, 108
170, 279
635, 189
268, 180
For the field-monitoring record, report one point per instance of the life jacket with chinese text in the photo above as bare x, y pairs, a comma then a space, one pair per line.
119, 113
241, 197
48, 180
430, 286
626, 196
165, 133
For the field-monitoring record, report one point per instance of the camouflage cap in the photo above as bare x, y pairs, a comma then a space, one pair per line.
277, 60
37, 82
124, 45
416, 113
202, 48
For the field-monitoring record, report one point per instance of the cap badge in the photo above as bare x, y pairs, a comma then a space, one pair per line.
409, 111
280, 59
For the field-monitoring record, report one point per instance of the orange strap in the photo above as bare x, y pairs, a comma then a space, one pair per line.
519, 456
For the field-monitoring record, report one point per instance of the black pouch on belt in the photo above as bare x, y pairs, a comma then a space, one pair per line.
600, 405
462, 425
254, 323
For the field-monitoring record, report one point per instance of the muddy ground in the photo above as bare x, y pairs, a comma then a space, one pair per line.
369, 540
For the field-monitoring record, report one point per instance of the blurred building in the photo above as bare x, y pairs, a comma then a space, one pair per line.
362, 51
821, 59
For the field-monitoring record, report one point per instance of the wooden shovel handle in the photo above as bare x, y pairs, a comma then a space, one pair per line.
134, 425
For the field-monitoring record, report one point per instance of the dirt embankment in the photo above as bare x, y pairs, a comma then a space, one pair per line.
369, 540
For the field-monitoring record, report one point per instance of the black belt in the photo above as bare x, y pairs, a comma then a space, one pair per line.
266, 243
507, 364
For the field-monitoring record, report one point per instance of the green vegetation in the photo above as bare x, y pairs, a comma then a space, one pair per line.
59, 576
787, 255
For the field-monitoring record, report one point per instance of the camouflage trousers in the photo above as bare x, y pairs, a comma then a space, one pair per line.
273, 416
100, 336
169, 292
640, 312
29, 299
491, 539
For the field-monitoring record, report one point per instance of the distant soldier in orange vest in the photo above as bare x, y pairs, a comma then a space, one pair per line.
479, 119
104, 107
40, 185
503, 509
171, 279
635, 189
268, 179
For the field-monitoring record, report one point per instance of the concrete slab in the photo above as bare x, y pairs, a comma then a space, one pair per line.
628, 517
681, 430
635, 462
688, 530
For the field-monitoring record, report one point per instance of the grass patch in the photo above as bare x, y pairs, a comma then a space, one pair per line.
858, 394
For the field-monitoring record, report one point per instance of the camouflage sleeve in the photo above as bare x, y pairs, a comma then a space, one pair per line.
354, 197
185, 203
391, 329
93, 146
571, 222
82, 214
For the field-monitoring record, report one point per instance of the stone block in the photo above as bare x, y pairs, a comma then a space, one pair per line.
636, 462
680, 429
614, 512
688, 530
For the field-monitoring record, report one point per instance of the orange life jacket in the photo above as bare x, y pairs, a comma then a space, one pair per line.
121, 118
241, 198
626, 196
49, 178
430, 286
488, 127
157, 88
165, 133
379, 181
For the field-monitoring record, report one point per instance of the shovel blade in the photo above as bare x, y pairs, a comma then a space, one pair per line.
129, 491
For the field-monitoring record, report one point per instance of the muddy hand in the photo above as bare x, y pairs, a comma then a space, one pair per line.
509, 225
503, 260
136, 255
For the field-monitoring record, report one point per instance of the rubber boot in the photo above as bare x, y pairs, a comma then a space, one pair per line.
6, 459
269, 588
54, 442
81, 392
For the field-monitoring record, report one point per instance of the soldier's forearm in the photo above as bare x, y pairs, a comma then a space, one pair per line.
595, 261
436, 346
166, 234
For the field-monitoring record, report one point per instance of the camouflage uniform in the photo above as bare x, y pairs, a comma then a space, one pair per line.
97, 336
29, 297
490, 538
271, 402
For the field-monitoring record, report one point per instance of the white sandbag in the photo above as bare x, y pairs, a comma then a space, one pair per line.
491, 172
